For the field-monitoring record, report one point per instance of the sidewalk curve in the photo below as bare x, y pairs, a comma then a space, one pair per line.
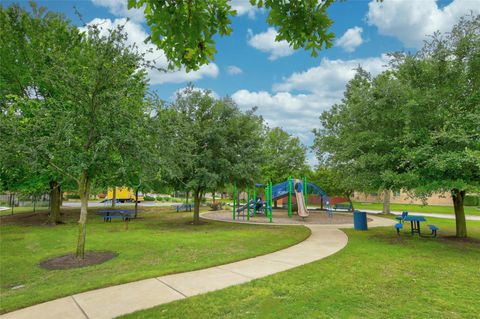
114, 301
435, 215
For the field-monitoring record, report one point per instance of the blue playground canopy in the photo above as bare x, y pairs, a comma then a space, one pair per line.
281, 190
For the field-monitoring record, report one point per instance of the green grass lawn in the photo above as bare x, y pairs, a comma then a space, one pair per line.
18, 210
378, 275
469, 210
160, 243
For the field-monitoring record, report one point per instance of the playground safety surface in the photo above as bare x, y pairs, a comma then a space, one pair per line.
280, 217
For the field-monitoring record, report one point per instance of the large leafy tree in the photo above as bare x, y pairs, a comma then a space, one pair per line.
207, 143
361, 138
442, 116
85, 122
284, 156
31, 44
415, 127
185, 29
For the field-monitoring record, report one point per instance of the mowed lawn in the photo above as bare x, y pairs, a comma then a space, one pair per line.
378, 275
469, 210
159, 243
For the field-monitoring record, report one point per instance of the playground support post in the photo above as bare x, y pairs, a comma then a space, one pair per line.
290, 196
305, 191
255, 201
234, 198
271, 200
248, 203
266, 200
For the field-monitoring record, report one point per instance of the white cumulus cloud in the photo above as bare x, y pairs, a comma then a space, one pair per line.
296, 102
265, 42
243, 7
412, 21
234, 70
137, 35
351, 39
119, 8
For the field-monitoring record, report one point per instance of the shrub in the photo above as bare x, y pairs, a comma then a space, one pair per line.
72, 196
148, 198
160, 199
471, 200
216, 205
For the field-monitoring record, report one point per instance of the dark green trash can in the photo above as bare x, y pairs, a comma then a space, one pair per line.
360, 220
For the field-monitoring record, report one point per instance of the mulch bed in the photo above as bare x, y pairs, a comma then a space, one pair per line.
38, 218
70, 261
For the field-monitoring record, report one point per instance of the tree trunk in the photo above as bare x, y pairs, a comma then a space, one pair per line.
84, 192
213, 197
114, 197
136, 202
54, 217
186, 197
12, 201
386, 201
461, 224
321, 203
34, 203
349, 197
197, 197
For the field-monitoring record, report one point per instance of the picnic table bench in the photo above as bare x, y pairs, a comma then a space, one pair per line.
346, 206
125, 214
415, 225
183, 207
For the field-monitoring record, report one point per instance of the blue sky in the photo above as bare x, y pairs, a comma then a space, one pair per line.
290, 88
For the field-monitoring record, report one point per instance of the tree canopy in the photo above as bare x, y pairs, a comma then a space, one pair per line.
31, 46
207, 143
185, 29
284, 156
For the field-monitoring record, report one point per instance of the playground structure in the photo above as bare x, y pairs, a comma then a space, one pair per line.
292, 187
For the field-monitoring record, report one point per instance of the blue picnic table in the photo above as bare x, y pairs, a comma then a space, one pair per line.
124, 214
183, 207
415, 223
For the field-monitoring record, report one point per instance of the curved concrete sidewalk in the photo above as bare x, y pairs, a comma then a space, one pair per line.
114, 301
435, 215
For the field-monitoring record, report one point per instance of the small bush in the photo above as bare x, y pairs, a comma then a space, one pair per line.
471, 200
148, 198
160, 199
72, 196
216, 205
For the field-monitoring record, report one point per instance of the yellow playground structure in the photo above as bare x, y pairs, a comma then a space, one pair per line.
124, 194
